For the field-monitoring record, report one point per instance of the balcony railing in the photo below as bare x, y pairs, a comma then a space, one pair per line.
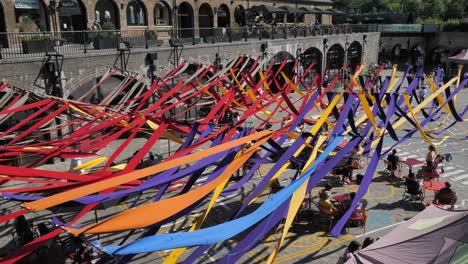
30, 45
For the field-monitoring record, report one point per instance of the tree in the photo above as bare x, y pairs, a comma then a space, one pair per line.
455, 9
432, 8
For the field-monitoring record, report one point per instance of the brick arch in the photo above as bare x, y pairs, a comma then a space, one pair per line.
115, 18
76, 24
205, 19
2, 19
136, 18
335, 56
186, 18
310, 55
239, 16
279, 57
166, 6
354, 54
224, 21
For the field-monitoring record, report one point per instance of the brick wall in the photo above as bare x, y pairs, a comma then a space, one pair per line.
79, 70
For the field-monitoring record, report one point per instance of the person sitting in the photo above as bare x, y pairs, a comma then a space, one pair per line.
327, 189
367, 242
393, 160
348, 202
430, 157
299, 128
359, 178
326, 206
345, 169
446, 195
413, 186
352, 248
23, 231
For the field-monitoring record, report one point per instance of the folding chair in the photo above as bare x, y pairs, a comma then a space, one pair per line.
413, 189
358, 216
305, 209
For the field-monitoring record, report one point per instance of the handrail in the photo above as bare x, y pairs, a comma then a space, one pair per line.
20, 45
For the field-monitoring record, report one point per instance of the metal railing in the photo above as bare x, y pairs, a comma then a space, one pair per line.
29, 45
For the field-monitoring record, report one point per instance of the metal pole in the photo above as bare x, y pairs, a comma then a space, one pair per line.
246, 20
96, 220
52, 10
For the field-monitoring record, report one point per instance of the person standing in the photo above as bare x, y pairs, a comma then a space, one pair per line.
422, 93
325, 81
393, 160
430, 157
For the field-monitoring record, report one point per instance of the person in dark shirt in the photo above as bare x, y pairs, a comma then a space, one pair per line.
413, 186
393, 160
446, 195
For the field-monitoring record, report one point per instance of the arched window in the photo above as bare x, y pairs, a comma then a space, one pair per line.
136, 13
223, 16
3, 37
107, 11
31, 15
354, 54
185, 13
162, 14
72, 15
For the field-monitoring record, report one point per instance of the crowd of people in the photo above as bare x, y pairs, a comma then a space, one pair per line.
413, 182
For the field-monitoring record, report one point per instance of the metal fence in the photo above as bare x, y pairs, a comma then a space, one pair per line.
27, 45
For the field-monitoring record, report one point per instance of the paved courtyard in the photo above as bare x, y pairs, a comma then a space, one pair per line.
307, 241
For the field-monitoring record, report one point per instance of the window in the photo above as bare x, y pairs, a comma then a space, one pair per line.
136, 14
161, 14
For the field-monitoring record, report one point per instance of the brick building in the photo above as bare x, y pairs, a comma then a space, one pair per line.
69, 15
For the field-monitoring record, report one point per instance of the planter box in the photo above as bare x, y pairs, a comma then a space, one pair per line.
217, 39
189, 41
236, 36
105, 43
155, 42
37, 46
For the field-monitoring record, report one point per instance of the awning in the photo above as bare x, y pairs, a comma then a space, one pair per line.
267, 9
311, 10
326, 12
292, 10
27, 4
335, 12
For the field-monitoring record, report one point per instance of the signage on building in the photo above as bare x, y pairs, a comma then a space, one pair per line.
402, 28
27, 4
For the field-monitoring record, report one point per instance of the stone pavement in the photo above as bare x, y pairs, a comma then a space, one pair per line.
307, 241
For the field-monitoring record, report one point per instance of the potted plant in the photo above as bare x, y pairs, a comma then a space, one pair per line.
38, 43
106, 39
152, 37
34, 41
236, 31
